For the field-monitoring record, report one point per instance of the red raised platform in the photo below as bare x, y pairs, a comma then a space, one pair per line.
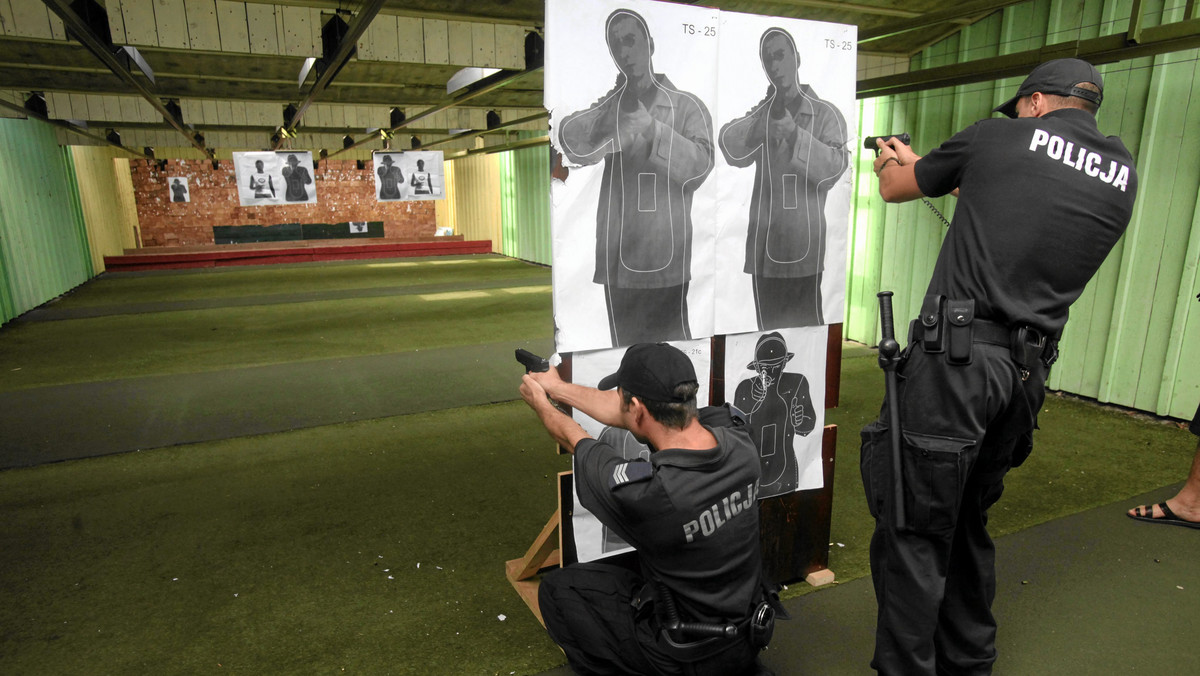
264, 253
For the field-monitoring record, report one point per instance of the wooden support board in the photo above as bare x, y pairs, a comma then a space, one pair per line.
522, 573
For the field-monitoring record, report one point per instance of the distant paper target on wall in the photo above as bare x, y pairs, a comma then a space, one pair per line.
271, 178
178, 188
411, 175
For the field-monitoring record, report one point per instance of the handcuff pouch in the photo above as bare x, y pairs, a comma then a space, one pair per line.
930, 325
959, 315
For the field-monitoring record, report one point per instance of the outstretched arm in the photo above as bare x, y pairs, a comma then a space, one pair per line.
603, 406
562, 428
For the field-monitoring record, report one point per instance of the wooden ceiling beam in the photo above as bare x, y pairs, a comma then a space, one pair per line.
81, 31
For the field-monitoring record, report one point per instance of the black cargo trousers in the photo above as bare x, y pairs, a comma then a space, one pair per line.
964, 426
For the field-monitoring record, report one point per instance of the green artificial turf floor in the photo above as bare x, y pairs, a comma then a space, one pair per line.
376, 546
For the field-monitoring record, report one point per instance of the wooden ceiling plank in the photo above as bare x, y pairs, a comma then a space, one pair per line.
382, 39
233, 26
224, 112
170, 23
510, 46
437, 47
208, 109
410, 38
7, 23
458, 39
31, 19
264, 34
116, 21
297, 33
483, 45
140, 28
112, 108
203, 31
57, 30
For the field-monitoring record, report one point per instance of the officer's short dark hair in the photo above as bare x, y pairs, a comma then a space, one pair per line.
675, 414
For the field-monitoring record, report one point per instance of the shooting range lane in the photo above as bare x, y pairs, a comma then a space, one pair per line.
155, 411
393, 338
1069, 593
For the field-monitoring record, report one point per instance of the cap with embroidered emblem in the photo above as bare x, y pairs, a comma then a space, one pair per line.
652, 371
1057, 77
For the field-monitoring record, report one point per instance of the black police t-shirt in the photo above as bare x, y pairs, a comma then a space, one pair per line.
1042, 201
691, 514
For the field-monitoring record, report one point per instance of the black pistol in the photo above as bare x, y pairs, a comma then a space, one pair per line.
869, 142
532, 362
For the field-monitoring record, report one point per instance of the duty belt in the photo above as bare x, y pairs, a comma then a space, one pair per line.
950, 326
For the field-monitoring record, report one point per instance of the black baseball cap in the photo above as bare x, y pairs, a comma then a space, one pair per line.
652, 371
1057, 77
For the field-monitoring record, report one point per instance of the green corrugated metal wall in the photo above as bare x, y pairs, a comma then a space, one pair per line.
1134, 335
43, 240
525, 204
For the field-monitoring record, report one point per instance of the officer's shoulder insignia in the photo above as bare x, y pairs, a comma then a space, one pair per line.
630, 472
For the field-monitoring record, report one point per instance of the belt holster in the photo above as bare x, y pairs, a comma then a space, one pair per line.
1027, 346
959, 315
930, 328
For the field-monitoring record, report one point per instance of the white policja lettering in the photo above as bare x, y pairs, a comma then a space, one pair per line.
720, 513
1080, 159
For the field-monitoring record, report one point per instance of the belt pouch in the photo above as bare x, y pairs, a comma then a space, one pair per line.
959, 315
931, 324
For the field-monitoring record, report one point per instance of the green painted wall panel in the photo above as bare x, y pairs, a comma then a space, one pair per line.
1134, 334
525, 195
43, 241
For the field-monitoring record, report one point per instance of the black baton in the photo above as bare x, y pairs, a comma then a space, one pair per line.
889, 355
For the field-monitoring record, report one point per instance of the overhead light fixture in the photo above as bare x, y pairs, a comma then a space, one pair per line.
396, 117
347, 141
467, 77
36, 104
493, 119
414, 142
306, 69
112, 136
172, 106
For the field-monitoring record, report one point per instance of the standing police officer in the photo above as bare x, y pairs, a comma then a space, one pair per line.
690, 511
1043, 199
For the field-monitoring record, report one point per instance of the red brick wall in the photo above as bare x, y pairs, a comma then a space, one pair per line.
344, 193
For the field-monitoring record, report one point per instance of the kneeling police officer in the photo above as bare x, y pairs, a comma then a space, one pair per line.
699, 605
